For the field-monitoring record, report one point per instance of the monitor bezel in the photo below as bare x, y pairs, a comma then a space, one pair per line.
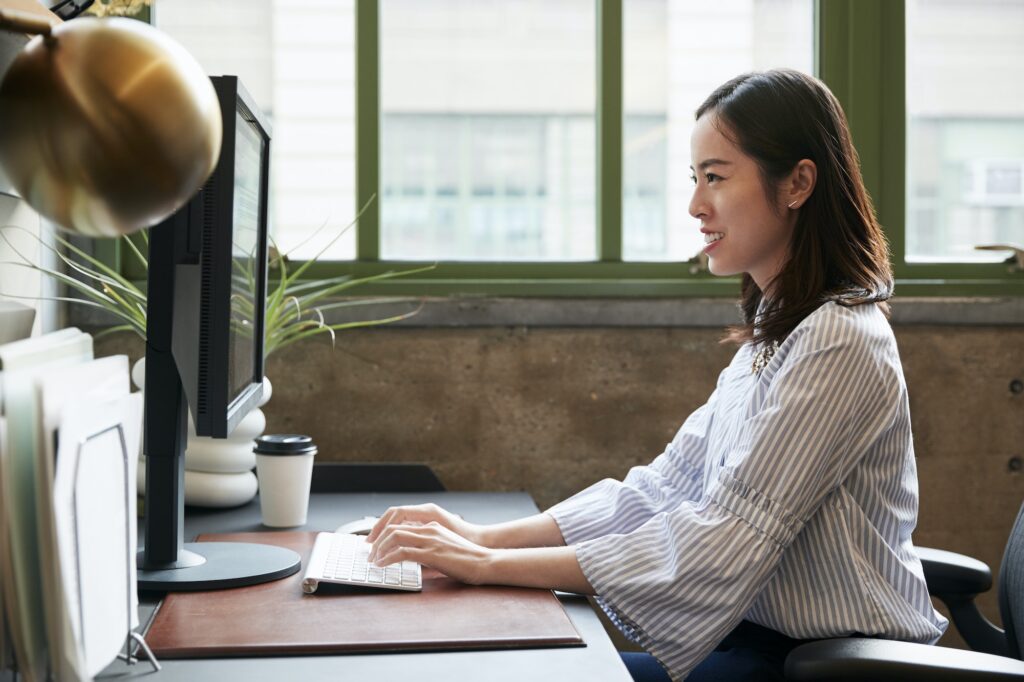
215, 411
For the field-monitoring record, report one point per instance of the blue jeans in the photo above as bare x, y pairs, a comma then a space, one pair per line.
750, 653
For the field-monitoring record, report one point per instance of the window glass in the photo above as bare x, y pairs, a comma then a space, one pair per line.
965, 133
297, 59
675, 53
487, 130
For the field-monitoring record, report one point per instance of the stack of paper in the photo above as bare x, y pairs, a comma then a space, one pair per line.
67, 499
19, 361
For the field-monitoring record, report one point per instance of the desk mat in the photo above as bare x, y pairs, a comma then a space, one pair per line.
277, 618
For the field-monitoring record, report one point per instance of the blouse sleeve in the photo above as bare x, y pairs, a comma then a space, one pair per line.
679, 582
676, 475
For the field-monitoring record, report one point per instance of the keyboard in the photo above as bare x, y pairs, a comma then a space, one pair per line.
344, 559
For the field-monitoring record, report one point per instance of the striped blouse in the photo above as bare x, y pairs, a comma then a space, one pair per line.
788, 500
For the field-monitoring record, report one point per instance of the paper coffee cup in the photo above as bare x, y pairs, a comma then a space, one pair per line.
284, 466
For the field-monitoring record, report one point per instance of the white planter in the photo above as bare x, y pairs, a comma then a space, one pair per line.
231, 455
203, 489
218, 471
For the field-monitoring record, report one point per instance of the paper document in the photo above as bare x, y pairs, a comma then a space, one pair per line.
7, 654
21, 362
57, 390
94, 511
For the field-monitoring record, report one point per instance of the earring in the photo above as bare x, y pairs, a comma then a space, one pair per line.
792, 203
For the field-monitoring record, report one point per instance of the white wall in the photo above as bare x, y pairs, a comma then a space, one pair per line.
23, 227
23, 232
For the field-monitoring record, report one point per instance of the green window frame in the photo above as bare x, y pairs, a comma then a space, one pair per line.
859, 52
862, 57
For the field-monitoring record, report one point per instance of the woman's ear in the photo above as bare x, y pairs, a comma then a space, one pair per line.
800, 183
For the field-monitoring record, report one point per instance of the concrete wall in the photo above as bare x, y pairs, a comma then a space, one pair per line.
550, 410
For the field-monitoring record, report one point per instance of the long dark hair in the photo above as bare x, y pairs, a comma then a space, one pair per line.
838, 251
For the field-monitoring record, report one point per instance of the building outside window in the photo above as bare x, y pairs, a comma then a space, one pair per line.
965, 135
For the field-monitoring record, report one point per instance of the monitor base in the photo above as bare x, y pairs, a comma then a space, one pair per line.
228, 564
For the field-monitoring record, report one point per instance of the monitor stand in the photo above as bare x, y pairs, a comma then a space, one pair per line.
166, 563
217, 565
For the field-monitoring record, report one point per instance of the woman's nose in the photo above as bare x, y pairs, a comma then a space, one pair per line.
698, 207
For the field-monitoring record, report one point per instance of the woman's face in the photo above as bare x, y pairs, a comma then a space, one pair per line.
743, 232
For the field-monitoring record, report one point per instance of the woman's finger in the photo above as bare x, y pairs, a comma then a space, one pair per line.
398, 536
420, 514
400, 554
381, 524
388, 536
393, 516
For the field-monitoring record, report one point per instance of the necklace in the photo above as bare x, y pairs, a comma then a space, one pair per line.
763, 357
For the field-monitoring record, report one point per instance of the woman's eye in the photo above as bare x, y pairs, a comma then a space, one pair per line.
710, 178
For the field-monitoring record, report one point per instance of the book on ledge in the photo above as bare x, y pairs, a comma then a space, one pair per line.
277, 618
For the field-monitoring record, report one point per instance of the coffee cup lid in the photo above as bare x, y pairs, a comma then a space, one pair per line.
284, 444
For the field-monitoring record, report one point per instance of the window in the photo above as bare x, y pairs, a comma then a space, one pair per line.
965, 134
487, 130
541, 148
675, 53
297, 59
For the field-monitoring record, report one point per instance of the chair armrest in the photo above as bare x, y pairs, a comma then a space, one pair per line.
952, 573
853, 659
956, 579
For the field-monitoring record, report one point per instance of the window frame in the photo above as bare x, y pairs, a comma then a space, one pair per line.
859, 52
868, 38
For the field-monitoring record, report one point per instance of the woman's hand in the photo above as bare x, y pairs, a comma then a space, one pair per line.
539, 530
423, 514
433, 545
529, 552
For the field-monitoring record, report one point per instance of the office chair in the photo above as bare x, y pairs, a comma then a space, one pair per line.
956, 580
373, 477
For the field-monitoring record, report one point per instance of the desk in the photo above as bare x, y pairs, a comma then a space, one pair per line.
597, 661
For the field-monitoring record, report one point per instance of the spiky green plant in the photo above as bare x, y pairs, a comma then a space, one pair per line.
295, 307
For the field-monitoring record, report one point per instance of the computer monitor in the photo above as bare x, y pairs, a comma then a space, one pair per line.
204, 348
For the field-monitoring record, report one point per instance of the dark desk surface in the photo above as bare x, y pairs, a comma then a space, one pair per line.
597, 661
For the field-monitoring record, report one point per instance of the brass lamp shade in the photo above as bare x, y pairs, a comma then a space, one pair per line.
107, 125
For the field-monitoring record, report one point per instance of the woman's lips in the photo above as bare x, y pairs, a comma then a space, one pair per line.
711, 245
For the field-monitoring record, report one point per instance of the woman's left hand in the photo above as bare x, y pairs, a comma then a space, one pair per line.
434, 546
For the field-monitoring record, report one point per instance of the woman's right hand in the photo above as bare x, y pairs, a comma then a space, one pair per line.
422, 514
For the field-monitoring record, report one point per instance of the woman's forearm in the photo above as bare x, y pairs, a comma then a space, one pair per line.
539, 530
531, 552
554, 568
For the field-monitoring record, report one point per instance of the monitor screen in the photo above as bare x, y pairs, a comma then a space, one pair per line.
250, 148
228, 333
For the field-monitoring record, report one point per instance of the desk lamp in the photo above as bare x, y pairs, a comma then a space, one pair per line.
107, 126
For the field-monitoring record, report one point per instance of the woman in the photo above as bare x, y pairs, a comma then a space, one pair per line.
782, 510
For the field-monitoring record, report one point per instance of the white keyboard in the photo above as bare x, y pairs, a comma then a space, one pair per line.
343, 559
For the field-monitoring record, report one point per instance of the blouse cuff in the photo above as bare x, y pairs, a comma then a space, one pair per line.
761, 512
575, 516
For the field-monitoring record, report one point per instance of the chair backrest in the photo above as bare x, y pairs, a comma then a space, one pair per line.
1011, 587
373, 477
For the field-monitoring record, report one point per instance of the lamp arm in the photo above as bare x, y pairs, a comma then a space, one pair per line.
24, 22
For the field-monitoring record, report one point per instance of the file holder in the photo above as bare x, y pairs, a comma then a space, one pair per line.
129, 654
